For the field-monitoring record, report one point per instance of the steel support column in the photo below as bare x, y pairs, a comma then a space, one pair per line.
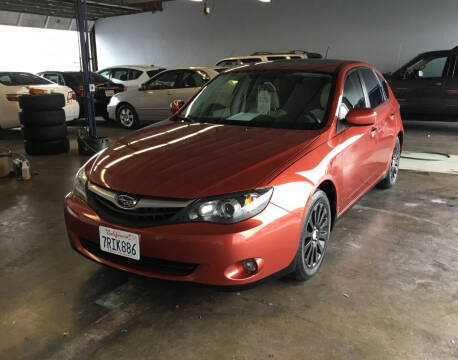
89, 87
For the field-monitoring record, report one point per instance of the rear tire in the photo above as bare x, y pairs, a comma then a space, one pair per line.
392, 174
47, 147
42, 118
314, 237
127, 116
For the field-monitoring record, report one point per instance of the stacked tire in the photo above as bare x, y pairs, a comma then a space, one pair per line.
43, 124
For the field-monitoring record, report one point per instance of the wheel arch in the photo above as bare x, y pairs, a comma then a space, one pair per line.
124, 103
328, 187
401, 137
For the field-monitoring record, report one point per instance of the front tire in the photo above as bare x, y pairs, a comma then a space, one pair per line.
392, 174
127, 116
314, 237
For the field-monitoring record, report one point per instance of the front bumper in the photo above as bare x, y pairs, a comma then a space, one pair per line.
111, 109
214, 250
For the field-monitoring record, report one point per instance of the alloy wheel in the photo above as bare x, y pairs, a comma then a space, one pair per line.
317, 233
394, 167
126, 116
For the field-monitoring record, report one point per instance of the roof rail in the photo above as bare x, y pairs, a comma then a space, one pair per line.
262, 53
297, 52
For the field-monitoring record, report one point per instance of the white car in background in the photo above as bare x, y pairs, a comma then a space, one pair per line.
151, 101
15, 84
130, 76
262, 56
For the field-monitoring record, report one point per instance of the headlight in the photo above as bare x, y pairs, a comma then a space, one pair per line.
229, 209
113, 101
79, 184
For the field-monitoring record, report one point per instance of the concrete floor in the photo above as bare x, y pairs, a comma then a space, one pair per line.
388, 288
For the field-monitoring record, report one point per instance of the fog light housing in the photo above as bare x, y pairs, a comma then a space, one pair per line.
250, 266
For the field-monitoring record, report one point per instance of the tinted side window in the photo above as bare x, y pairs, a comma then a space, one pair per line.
428, 66
353, 95
373, 87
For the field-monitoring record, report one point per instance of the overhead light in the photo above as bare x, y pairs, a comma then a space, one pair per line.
197, 0
264, 1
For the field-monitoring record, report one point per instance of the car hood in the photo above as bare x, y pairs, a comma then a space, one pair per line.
190, 160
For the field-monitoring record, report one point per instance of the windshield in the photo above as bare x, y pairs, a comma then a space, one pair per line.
16, 78
277, 99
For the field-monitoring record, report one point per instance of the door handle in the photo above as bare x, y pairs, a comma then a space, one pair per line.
437, 83
373, 131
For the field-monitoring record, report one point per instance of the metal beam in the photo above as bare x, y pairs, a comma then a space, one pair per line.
89, 87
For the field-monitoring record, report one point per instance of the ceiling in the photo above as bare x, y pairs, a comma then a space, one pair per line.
60, 14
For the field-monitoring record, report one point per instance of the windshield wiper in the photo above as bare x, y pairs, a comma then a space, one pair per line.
182, 118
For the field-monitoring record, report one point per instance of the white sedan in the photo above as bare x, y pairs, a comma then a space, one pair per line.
151, 102
130, 76
15, 84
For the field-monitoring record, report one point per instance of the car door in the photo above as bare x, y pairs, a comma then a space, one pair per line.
384, 127
418, 86
356, 160
450, 98
153, 101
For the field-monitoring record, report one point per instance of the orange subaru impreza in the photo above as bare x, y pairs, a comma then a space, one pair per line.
245, 181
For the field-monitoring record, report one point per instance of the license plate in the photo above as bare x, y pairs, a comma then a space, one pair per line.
109, 92
119, 242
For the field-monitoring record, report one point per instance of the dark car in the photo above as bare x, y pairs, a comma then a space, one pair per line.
428, 85
105, 88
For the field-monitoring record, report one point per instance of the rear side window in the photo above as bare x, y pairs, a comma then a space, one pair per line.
106, 73
191, 79
120, 74
16, 78
373, 87
384, 85
250, 60
276, 58
134, 74
151, 73
353, 95
227, 63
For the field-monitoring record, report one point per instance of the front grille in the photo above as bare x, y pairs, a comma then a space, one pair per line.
137, 217
145, 263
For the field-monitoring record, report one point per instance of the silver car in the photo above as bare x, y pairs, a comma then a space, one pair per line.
151, 102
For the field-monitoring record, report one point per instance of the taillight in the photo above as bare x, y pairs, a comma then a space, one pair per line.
124, 88
71, 96
81, 92
12, 97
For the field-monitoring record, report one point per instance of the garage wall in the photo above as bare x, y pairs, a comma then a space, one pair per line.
384, 33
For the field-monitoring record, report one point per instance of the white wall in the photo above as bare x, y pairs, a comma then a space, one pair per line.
385, 33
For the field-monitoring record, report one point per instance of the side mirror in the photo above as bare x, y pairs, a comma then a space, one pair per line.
361, 117
176, 106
